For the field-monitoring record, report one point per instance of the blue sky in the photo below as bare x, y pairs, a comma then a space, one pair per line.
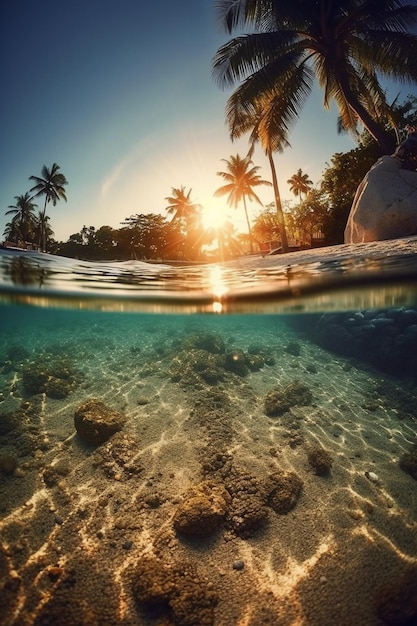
120, 94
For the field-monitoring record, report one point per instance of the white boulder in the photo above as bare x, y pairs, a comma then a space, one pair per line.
385, 204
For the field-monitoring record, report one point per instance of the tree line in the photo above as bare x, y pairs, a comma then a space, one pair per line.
347, 47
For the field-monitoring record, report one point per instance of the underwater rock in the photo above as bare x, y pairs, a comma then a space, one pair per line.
237, 362
396, 603
202, 511
176, 591
247, 512
280, 400
8, 463
51, 375
207, 341
95, 422
263, 352
283, 490
196, 366
384, 338
320, 460
408, 462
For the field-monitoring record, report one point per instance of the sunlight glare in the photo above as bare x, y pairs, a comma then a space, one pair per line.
214, 214
219, 288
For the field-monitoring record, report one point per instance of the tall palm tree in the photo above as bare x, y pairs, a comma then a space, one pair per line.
300, 184
51, 185
24, 216
263, 121
345, 44
241, 176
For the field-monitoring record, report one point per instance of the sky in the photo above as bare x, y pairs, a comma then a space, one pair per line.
120, 94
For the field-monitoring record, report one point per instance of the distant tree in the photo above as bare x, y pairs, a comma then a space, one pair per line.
309, 217
24, 218
241, 177
300, 184
145, 236
266, 226
187, 217
50, 185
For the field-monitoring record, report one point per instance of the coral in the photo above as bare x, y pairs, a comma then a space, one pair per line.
280, 400
203, 509
210, 342
175, 591
396, 603
247, 512
237, 362
48, 374
408, 462
195, 366
320, 460
95, 422
8, 463
283, 490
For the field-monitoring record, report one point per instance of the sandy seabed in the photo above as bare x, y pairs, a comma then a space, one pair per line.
76, 519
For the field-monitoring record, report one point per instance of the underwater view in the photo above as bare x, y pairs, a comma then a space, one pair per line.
209, 446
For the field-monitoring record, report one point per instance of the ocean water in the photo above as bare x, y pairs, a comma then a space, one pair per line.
213, 445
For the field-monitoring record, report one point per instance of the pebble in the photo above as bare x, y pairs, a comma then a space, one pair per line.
238, 565
127, 545
372, 477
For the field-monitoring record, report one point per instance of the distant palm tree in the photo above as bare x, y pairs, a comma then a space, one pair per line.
12, 232
241, 176
44, 229
51, 185
347, 45
187, 216
181, 205
300, 184
24, 217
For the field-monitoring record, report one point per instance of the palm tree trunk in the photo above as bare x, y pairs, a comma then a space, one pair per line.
248, 223
42, 233
278, 204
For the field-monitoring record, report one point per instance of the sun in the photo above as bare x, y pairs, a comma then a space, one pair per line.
214, 214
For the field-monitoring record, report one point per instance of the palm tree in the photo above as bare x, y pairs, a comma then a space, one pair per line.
181, 205
346, 45
44, 230
186, 214
241, 176
261, 120
50, 185
299, 183
24, 217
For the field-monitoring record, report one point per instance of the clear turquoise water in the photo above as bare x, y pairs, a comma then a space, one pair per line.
188, 356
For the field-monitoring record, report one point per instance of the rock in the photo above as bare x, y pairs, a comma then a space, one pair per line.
202, 511
95, 422
280, 400
320, 460
8, 463
385, 204
174, 591
283, 489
